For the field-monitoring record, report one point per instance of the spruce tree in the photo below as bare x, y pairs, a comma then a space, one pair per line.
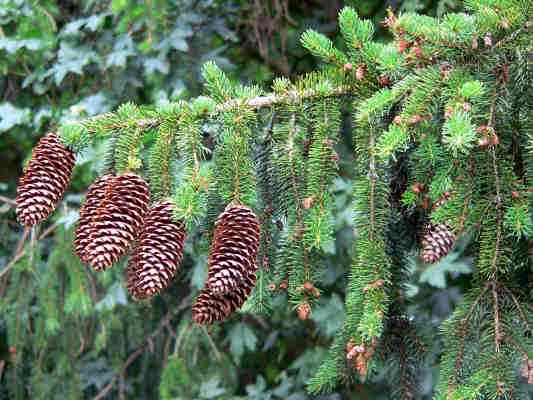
443, 148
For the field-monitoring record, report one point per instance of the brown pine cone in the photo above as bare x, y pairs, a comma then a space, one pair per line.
44, 181
234, 249
118, 220
437, 242
93, 199
158, 253
211, 308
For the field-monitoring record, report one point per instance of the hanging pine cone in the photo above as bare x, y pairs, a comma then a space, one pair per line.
156, 257
44, 181
93, 199
118, 220
234, 249
437, 242
211, 308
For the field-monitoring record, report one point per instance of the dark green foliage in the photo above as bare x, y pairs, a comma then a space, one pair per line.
439, 122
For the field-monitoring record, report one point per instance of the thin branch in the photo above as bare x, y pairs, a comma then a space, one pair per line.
271, 99
514, 35
7, 200
518, 307
218, 356
146, 343
497, 328
464, 325
499, 203
22, 251
372, 176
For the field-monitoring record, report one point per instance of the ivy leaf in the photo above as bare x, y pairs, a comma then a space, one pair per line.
329, 315
13, 45
92, 105
176, 40
115, 296
11, 116
241, 338
72, 59
94, 22
69, 219
211, 388
435, 275
154, 64
258, 390
199, 273
122, 49
73, 28
41, 116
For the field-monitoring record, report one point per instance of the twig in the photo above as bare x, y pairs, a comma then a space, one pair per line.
497, 332
292, 96
9, 201
19, 252
140, 350
499, 204
464, 324
212, 344
22, 251
518, 307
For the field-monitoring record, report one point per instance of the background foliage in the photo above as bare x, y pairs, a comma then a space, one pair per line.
71, 333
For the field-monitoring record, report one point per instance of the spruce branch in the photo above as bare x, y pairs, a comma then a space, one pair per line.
109, 122
519, 308
497, 328
463, 332
499, 201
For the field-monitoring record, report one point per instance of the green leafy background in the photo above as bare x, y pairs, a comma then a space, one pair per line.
66, 332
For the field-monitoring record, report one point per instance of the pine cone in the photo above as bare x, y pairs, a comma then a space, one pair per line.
93, 199
157, 255
211, 308
437, 242
44, 181
118, 220
234, 249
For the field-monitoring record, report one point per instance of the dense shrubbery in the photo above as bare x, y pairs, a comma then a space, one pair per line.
78, 334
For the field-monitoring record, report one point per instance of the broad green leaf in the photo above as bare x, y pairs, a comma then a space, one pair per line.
435, 274
12, 45
72, 59
211, 388
11, 116
153, 65
241, 338
328, 315
115, 296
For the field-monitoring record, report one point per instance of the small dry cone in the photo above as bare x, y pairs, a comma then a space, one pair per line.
304, 310
44, 181
118, 220
234, 249
210, 308
438, 239
93, 199
158, 253
437, 242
